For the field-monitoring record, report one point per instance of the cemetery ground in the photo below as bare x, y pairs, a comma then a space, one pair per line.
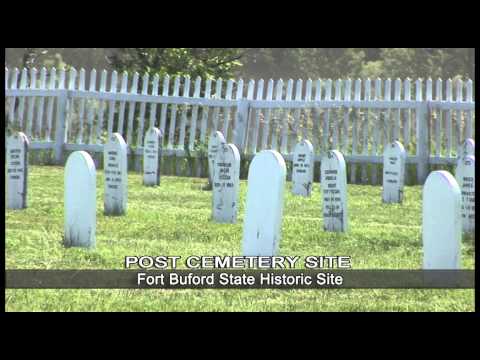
174, 219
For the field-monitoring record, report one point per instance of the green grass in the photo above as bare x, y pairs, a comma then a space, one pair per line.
174, 219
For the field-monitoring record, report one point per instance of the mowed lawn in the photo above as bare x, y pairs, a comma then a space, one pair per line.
174, 219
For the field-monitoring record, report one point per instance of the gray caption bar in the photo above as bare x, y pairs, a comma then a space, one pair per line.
240, 279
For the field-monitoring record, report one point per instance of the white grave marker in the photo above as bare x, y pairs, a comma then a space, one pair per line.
442, 224
467, 148
226, 180
465, 176
80, 200
17, 171
115, 160
394, 158
152, 154
264, 207
214, 143
302, 169
334, 188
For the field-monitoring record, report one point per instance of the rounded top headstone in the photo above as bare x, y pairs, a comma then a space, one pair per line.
440, 177
117, 138
468, 147
304, 143
266, 157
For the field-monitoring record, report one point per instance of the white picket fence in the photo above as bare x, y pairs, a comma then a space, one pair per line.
357, 117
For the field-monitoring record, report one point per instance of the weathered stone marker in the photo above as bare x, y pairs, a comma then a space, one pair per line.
302, 169
334, 188
442, 224
467, 148
214, 143
465, 176
226, 182
17, 171
264, 206
394, 158
152, 155
80, 200
115, 165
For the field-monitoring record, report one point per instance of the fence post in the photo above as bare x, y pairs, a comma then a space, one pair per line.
60, 127
240, 131
423, 141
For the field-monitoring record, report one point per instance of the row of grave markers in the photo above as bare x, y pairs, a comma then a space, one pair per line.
266, 181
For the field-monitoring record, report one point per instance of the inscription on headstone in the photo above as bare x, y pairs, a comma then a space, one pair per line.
394, 158
152, 155
264, 206
334, 189
226, 182
115, 167
302, 169
80, 200
17, 171
465, 176
214, 143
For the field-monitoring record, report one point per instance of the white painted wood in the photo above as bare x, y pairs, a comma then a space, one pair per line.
101, 108
163, 111
469, 99
365, 131
407, 114
438, 122
458, 115
205, 111
13, 86
80, 200
346, 116
267, 117
227, 110
306, 112
21, 101
264, 206
41, 105
51, 100
356, 120
326, 117
121, 110
448, 125
17, 171
297, 113
397, 97
277, 116
465, 176
131, 109
216, 139
442, 225
193, 127
216, 109
334, 189
31, 102
81, 107
91, 107
116, 176
285, 126
173, 118
152, 156
394, 158
258, 115
387, 138
153, 106
70, 103
226, 184
302, 168
111, 105
183, 122
143, 105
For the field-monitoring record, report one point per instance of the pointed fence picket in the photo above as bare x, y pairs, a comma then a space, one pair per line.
358, 117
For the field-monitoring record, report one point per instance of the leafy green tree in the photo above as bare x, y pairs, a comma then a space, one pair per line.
204, 62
